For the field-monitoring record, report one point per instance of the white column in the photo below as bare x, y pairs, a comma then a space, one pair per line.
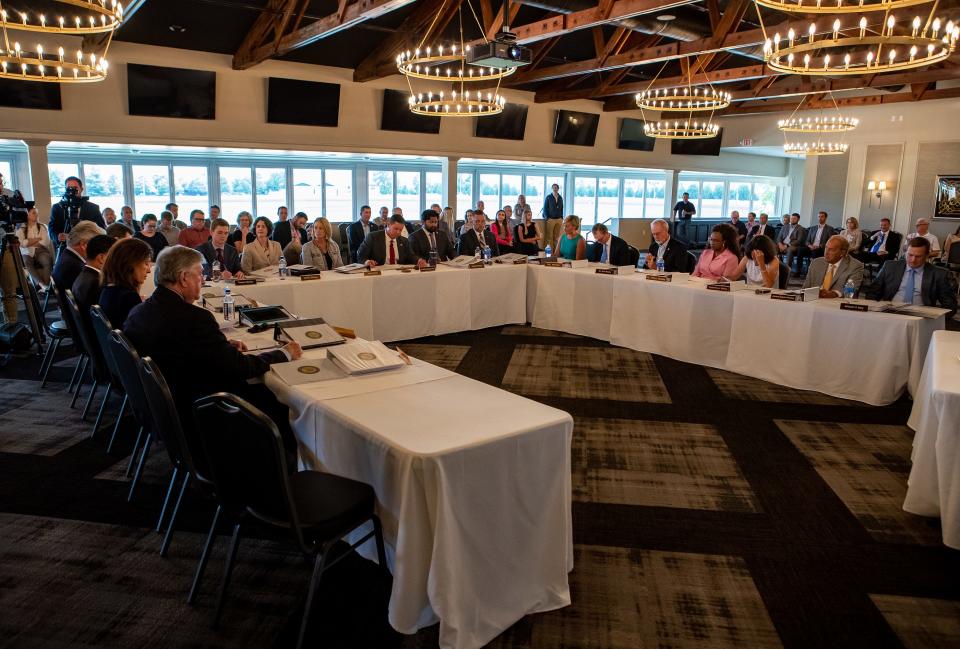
903, 220
809, 186
856, 183
449, 168
39, 177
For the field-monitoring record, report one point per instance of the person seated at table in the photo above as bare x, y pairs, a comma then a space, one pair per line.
722, 257
467, 223
914, 280
186, 343
148, 234
73, 257
478, 237
502, 232
884, 244
527, 234
36, 247
264, 251
751, 223
444, 221
760, 263
198, 233
298, 238
665, 248
832, 271
571, 244
217, 249
923, 230
609, 249
854, 236
951, 239
86, 288
429, 239
816, 238
167, 229
124, 272
388, 246
322, 251
119, 231
740, 227
789, 239
764, 228
358, 231
244, 232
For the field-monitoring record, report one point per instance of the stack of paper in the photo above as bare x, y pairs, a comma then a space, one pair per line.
311, 332
307, 371
351, 268
363, 357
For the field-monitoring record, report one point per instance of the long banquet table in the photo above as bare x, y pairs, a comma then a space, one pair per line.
933, 488
475, 503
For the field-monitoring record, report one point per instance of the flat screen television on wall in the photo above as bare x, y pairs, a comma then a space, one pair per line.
511, 124
154, 91
29, 94
396, 115
310, 103
633, 137
707, 146
575, 128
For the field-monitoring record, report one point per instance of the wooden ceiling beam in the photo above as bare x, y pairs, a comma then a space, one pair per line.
495, 25
428, 20
249, 55
753, 108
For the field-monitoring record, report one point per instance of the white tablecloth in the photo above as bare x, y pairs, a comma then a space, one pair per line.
475, 503
934, 485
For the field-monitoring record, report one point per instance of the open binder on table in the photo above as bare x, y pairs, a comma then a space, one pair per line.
309, 333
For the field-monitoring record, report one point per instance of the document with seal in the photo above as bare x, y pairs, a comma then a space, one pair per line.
365, 356
307, 370
310, 333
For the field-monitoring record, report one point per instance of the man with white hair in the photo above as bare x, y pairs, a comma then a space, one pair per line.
923, 231
73, 257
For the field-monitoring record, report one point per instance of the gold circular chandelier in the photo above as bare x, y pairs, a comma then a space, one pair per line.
681, 130
837, 6
450, 65
683, 99
835, 124
58, 66
815, 148
854, 49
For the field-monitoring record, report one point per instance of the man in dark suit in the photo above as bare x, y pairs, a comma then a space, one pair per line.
217, 249
186, 343
609, 249
62, 219
914, 281
883, 245
359, 230
387, 246
429, 239
789, 239
815, 240
478, 237
281, 229
741, 228
86, 288
674, 254
73, 257
762, 227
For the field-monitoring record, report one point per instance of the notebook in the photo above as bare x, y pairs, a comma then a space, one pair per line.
365, 356
310, 333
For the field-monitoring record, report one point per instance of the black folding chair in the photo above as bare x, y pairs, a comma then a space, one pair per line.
101, 330
634, 255
81, 367
98, 365
783, 275
249, 469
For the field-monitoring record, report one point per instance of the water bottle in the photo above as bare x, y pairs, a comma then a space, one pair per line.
478, 254
215, 272
547, 251
227, 305
849, 290
487, 254
283, 267
661, 266
432, 262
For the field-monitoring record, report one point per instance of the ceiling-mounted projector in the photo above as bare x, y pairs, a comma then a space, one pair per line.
500, 53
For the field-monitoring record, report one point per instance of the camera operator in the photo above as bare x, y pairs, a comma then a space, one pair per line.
8, 275
72, 209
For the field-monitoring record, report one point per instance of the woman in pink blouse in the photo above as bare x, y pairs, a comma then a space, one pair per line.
722, 258
501, 231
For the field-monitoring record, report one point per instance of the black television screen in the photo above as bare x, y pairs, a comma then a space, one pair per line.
508, 125
575, 128
29, 94
291, 101
706, 146
633, 137
155, 91
396, 115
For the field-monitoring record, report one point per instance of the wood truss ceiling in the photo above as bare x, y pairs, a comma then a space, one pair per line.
629, 48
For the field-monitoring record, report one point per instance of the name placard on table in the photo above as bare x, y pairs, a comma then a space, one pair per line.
787, 297
853, 306
371, 273
310, 278
476, 264
658, 277
607, 271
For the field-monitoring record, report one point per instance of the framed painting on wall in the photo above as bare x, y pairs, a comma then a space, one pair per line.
948, 198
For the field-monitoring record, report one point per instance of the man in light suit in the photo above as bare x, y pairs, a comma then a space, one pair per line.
477, 237
429, 238
609, 249
914, 281
789, 239
762, 227
387, 246
832, 271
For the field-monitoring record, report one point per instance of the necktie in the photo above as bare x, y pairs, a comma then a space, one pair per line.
433, 242
603, 255
393, 254
909, 288
876, 246
220, 258
827, 278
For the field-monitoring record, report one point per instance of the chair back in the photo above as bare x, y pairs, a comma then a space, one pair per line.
247, 460
101, 331
953, 257
183, 451
127, 360
634, 255
342, 230
691, 262
782, 275
81, 328
67, 316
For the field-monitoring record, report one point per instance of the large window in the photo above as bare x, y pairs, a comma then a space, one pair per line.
58, 176
236, 192
632, 198
380, 189
608, 199
716, 196
337, 195
308, 192
711, 200
151, 189
739, 199
103, 183
464, 193
433, 190
654, 204
490, 192
533, 192
190, 190
271, 191
408, 193
584, 200
510, 188
764, 198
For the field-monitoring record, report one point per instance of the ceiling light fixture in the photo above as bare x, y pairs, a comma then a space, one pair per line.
689, 100
820, 126
683, 99
58, 63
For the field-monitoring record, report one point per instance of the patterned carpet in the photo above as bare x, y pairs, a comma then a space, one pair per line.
710, 510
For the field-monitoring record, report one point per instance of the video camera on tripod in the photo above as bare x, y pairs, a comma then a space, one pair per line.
13, 211
72, 203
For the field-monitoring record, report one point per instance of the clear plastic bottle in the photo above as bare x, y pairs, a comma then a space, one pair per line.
215, 271
283, 267
849, 290
478, 254
660, 266
228, 310
487, 254
547, 251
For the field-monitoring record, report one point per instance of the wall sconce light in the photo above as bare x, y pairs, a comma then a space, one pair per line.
878, 186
